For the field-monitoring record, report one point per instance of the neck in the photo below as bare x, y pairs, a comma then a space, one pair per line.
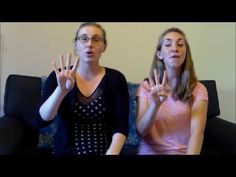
89, 71
173, 76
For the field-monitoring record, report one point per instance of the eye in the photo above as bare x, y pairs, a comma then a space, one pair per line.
97, 39
167, 45
180, 44
83, 38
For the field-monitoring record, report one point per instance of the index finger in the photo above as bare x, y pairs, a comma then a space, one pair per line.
157, 80
76, 64
55, 67
62, 62
164, 80
151, 80
68, 61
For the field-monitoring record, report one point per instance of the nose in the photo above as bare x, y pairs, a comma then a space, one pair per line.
174, 48
89, 42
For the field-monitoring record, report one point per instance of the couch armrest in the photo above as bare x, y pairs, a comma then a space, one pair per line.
220, 136
16, 137
11, 135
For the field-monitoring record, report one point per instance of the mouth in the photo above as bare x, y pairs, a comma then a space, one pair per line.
90, 53
175, 57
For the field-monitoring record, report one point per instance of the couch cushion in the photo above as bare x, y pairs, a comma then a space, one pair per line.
133, 138
46, 136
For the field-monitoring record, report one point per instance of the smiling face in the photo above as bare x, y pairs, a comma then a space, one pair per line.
90, 43
173, 50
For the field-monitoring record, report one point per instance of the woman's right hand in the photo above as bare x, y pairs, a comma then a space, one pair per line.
66, 77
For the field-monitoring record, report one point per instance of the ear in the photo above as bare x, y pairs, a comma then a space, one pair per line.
159, 55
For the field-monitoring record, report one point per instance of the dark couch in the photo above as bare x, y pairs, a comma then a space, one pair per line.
19, 135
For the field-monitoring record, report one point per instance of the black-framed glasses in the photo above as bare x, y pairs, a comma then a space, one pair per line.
95, 39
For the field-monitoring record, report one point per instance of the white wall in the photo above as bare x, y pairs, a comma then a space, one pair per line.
27, 48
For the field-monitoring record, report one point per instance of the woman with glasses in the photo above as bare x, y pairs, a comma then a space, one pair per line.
171, 103
91, 101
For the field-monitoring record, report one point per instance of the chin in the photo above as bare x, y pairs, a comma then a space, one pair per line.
91, 59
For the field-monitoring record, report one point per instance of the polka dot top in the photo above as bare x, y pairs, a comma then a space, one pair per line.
90, 127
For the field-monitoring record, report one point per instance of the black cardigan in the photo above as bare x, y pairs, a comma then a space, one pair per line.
114, 86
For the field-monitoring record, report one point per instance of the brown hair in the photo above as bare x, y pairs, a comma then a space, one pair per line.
188, 78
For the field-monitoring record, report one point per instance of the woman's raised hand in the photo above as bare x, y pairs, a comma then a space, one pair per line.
66, 76
158, 91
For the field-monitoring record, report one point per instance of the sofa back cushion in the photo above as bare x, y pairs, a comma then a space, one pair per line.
213, 102
22, 95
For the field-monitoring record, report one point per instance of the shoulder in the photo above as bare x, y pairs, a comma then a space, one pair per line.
200, 91
113, 71
199, 87
114, 74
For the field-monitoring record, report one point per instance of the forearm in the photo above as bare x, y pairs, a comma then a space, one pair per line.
144, 123
195, 144
117, 143
49, 108
198, 122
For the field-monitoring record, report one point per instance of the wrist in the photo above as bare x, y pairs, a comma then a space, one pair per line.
61, 91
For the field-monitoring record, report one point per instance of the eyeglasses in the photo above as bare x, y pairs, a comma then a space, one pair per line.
95, 39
